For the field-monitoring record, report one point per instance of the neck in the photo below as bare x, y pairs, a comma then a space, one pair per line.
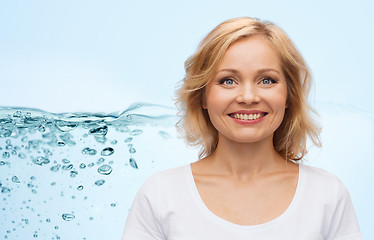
245, 160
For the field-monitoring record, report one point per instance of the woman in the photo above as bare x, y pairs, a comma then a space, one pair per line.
244, 101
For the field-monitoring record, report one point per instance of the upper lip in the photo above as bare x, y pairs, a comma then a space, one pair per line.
248, 112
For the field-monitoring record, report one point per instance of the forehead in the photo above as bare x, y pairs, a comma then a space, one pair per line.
251, 53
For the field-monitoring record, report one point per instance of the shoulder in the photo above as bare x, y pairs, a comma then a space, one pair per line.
164, 180
323, 182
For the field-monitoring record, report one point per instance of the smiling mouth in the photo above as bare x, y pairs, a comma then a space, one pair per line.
251, 116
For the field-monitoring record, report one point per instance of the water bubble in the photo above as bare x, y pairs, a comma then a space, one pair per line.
107, 151
104, 170
99, 182
15, 179
82, 166
133, 163
8, 147
5, 190
132, 150
5, 132
30, 185
8, 142
128, 139
55, 168
60, 144
113, 204
35, 235
48, 220
67, 167
89, 151
41, 128
114, 142
22, 155
2, 163
73, 173
67, 217
14, 152
164, 134
40, 160
136, 132
24, 139
6, 155
47, 152
100, 131
91, 165
100, 161
80, 188
32, 178
65, 161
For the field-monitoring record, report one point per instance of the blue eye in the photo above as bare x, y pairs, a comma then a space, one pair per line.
267, 81
226, 81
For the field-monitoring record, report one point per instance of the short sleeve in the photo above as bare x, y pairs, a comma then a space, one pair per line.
344, 224
142, 222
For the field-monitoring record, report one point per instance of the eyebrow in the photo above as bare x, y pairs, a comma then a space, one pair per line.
261, 71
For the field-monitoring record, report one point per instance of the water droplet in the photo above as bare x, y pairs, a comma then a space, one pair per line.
6, 155
136, 132
15, 179
99, 182
104, 170
80, 188
133, 163
107, 151
67, 217
48, 220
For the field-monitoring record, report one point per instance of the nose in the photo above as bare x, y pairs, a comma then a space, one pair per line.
247, 94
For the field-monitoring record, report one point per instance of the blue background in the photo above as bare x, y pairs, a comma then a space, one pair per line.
102, 56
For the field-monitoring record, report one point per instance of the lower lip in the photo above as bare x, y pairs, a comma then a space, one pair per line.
248, 122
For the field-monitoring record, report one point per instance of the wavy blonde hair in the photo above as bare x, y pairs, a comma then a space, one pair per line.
290, 139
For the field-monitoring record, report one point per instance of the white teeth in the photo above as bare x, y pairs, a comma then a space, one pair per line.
247, 116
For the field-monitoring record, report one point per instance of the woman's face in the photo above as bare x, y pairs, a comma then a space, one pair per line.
246, 100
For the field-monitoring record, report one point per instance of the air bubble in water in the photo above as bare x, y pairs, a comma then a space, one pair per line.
5, 190
104, 170
128, 139
132, 150
67, 167
80, 188
22, 155
136, 132
68, 217
82, 166
6, 155
66, 161
55, 168
99, 182
107, 151
133, 163
100, 131
164, 134
15, 179
89, 151
40, 160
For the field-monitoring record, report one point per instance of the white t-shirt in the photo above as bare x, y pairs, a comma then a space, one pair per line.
168, 206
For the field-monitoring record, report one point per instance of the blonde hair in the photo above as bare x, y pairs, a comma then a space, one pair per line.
290, 138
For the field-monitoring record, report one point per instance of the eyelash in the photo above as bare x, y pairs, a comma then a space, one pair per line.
222, 81
272, 81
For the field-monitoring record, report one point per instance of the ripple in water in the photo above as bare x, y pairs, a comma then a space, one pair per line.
57, 171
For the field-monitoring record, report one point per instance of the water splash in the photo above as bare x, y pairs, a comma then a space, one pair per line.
48, 158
